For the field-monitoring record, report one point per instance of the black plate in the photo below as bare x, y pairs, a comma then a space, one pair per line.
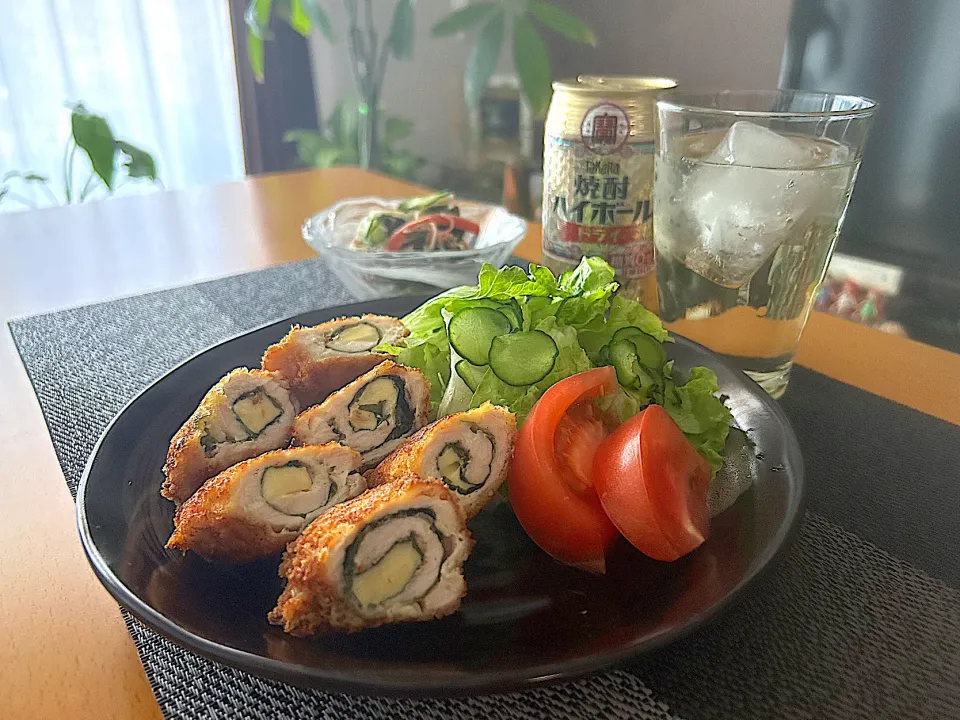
526, 620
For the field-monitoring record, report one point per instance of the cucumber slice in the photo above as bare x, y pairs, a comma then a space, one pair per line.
630, 371
423, 202
511, 309
604, 355
523, 358
647, 381
471, 374
623, 357
650, 352
473, 329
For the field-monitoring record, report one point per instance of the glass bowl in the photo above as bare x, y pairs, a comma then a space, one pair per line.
372, 275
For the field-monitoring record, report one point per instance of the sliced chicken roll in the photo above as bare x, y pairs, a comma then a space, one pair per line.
469, 451
394, 554
318, 360
255, 508
374, 414
244, 415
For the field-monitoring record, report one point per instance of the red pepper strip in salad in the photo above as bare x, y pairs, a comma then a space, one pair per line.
445, 222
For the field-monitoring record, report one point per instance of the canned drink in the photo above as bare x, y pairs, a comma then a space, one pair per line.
598, 177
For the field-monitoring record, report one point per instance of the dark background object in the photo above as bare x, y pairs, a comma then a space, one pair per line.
905, 208
905, 56
284, 101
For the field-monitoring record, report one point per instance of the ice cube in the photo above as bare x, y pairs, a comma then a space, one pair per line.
745, 198
747, 143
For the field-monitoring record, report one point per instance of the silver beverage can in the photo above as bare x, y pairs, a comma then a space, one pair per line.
598, 177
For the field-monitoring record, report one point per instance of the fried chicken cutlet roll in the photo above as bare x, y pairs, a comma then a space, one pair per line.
469, 451
255, 508
374, 414
318, 360
394, 554
244, 415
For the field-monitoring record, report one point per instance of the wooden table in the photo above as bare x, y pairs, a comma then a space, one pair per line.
65, 652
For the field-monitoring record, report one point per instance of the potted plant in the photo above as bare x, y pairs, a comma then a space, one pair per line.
491, 22
111, 162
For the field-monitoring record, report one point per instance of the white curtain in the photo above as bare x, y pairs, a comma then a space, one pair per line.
161, 71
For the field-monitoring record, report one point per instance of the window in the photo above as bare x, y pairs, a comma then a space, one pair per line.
163, 73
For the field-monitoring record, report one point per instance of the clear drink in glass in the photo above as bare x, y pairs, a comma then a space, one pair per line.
750, 192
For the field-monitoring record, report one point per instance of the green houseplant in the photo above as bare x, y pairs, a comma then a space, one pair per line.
492, 21
111, 162
339, 143
369, 52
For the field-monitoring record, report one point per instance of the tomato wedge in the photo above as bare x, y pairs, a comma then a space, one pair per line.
577, 437
551, 490
653, 485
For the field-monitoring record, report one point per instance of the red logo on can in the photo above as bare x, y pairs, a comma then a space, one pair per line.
604, 128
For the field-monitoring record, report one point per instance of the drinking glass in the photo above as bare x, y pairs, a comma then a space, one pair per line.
749, 196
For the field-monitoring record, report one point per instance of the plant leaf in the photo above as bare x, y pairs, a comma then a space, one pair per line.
93, 135
27, 177
559, 20
318, 18
533, 65
396, 129
335, 123
138, 162
255, 54
315, 150
342, 124
299, 18
483, 59
307, 142
328, 157
400, 39
463, 19
257, 17
403, 164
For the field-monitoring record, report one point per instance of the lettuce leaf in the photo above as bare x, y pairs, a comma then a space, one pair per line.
700, 413
520, 400
623, 313
434, 361
579, 311
512, 282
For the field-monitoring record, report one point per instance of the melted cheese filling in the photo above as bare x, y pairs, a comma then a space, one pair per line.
358, 338
376, 404
465, 464
293, 490
396, 562
256, 410
390, 575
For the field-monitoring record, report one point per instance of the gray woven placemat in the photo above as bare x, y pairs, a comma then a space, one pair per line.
862, 620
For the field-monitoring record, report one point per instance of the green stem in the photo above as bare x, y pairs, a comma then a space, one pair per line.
20, 199
68, 151
49, 192
370, 148
356, 44
371, 30
87, 188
